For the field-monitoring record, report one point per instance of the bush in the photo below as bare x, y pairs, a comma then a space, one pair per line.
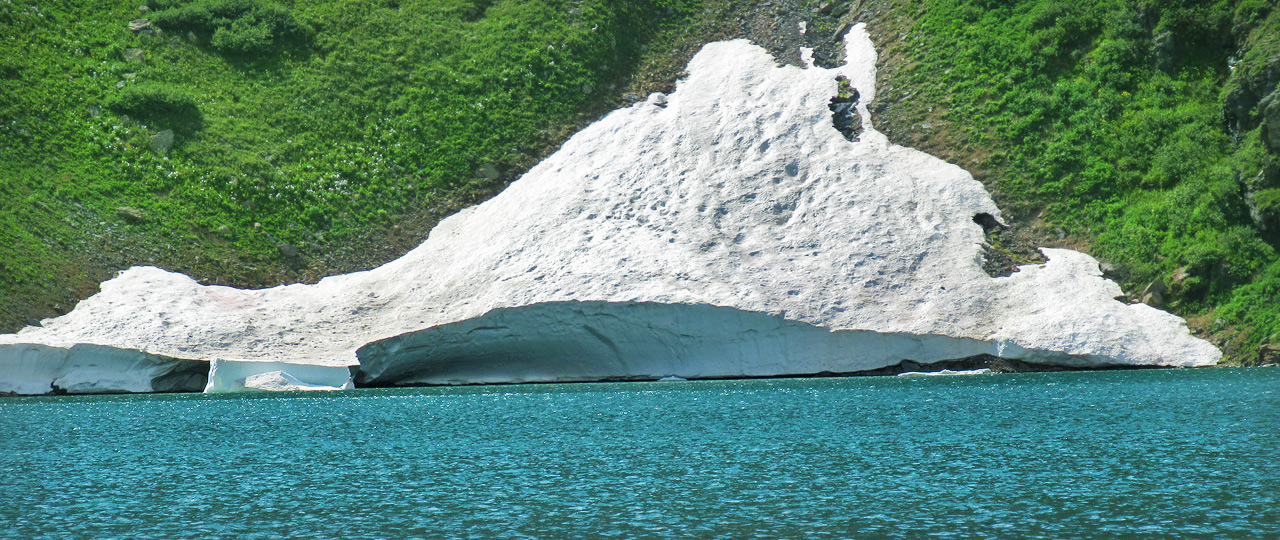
242, 37
1268, 200
235, 27
158, 104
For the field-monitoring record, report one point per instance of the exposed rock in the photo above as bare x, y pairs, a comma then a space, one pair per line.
138, 25
1261, 215
1164, 49
1270, 109
488, 171
134, 55
161, 142
1245, 96
1268, 354
131, 214
844, 110
733, 232
287, 250
841, 30
1153, 294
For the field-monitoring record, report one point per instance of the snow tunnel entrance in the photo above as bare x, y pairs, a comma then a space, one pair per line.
595, 341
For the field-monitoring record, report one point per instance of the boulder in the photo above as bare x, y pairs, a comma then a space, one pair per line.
161, 142
131, 214
134, 55
488, 171
287, 251
1153, 294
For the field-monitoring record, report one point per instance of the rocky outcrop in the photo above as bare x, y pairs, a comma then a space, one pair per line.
1269, 107
725, 230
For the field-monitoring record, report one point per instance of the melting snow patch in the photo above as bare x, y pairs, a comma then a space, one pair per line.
726, 228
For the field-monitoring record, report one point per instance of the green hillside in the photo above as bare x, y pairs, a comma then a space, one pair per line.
1133, 130
252, 142
308, 137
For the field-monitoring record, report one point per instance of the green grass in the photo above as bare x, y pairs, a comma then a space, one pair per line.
1083, 123
1129, 125
308, 123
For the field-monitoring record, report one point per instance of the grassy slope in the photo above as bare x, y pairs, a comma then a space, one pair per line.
1092, 137
350, 146
345, 147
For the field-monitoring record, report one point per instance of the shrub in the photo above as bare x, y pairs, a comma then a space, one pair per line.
1268, 200
235, 27
158, 104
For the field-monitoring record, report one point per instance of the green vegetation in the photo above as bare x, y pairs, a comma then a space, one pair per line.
319, 137
342, 129
1128, 125
158, 104
240, 27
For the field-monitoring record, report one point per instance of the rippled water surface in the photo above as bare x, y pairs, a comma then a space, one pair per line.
1159, 454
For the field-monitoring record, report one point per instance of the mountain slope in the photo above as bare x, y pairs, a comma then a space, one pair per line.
311, 138
1132, 130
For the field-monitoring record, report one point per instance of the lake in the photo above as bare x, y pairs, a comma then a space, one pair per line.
1112, 454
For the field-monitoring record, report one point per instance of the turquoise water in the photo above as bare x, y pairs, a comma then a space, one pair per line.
1157, 454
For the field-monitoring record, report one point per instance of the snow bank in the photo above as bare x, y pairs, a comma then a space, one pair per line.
93, 369
727, 229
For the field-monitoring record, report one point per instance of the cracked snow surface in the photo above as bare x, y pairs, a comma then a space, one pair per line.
725, 230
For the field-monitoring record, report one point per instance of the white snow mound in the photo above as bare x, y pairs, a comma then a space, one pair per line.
725, 230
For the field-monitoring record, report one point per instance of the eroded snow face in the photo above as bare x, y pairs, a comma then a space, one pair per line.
735, 192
